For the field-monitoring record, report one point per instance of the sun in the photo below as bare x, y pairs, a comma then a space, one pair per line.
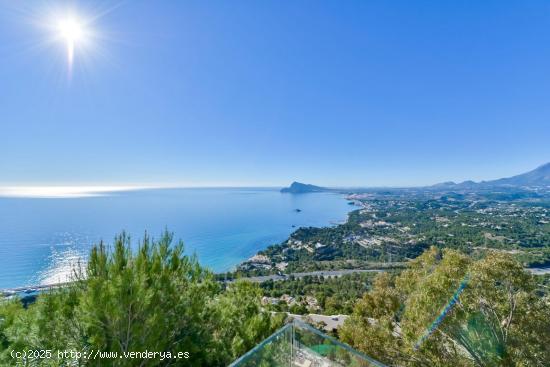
70, 29
74, 33
74, 37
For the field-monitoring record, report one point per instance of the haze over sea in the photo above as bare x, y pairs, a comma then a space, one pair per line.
41, 239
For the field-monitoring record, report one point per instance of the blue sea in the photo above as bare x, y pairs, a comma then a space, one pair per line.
42, 239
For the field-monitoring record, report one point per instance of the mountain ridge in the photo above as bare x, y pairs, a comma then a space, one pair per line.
539, 176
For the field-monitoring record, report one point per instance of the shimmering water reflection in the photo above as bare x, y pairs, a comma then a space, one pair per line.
43, 240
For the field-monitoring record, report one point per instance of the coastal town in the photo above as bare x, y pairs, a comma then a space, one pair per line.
389, 228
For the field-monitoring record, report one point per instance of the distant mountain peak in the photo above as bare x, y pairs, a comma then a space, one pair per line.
545, 166
444, 184
301, 188
540, 176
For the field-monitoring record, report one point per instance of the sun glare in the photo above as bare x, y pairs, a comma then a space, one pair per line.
77, 34
72, 31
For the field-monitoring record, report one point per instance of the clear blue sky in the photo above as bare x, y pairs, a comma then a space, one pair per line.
362, 93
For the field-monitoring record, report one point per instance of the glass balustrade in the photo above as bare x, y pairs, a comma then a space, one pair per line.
300, 345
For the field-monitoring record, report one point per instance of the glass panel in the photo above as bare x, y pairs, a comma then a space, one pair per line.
315, 349
275, 351
300, 345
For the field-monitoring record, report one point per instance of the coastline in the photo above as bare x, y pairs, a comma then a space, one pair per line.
223, 227
259, 261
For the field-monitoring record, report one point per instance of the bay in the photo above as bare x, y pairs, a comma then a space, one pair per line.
41, 239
